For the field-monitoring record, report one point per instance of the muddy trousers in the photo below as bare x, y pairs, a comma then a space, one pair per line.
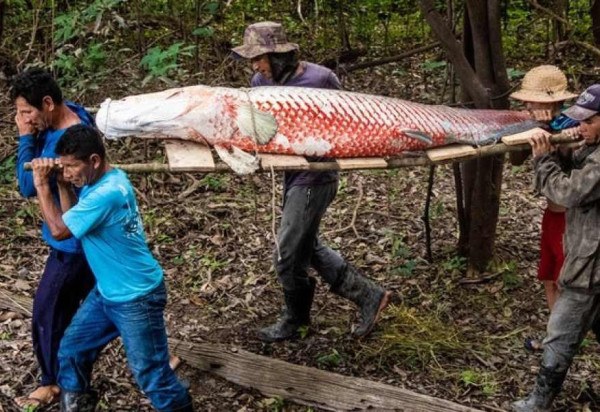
66, 281
298, 238
572, 316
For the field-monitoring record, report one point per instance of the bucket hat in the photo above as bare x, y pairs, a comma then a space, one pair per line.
264, 37
544, 84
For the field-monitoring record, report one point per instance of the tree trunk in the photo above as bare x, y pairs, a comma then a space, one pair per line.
482, 178
595, 13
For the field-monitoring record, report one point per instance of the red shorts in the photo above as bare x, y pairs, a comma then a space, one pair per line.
551, 247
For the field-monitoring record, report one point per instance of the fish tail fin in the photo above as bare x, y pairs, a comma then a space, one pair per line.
511, 129
261, 126
240, 162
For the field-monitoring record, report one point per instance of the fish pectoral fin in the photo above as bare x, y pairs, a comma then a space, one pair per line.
240, 162
261, 126
419, 135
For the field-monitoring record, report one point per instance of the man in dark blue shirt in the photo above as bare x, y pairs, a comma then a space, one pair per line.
42, 118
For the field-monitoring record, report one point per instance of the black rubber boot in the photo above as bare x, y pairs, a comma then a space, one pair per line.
78, 402
371, 299
295, 315
547, 386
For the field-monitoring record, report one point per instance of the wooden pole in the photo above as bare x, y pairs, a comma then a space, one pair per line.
416, 160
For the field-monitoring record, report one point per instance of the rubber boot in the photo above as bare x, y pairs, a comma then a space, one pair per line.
78, 402
547, 386
371, 299
295, 315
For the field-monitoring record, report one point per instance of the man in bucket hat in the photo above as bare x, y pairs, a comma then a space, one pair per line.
576, 185
305, 200
544, 90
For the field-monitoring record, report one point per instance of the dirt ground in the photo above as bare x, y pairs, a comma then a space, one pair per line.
447, 334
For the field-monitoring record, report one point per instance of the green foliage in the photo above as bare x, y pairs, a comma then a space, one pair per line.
483, 380
455, 264
7, 169
332, 358
214, 182
274, 404
161, 63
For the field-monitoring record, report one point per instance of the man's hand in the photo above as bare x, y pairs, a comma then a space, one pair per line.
42, 168
23, 127
540, 144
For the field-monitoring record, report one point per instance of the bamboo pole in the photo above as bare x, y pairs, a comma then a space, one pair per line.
416, 160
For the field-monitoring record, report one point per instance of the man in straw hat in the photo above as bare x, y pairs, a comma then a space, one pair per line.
544, 90
576, 185
305, 200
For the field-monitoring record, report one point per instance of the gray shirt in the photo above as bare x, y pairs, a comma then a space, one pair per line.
576, 185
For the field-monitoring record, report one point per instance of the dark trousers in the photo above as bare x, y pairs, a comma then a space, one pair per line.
66, 281
298, 238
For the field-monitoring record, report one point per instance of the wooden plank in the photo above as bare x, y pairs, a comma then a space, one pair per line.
362, 163
450, 152
186, 156
283, 162
300, 384
523, 137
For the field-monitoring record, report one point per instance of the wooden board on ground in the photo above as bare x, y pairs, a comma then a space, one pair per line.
189, 156
523, 137
300, 384
450, 152
362, 163
283, 162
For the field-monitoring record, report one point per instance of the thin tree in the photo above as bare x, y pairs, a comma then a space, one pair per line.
480, 67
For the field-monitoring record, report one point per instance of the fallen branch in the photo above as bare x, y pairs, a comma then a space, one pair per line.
300, 384
390, 59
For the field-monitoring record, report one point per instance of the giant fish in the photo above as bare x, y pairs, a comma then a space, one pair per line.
239, 123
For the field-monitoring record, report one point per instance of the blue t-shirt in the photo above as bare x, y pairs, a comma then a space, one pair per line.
44, 145
318, 77
107, 221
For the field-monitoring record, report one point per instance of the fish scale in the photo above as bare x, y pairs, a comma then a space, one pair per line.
303, 121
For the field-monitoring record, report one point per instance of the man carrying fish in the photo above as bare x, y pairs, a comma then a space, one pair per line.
130, 294
306, 198
577, 309
42, 118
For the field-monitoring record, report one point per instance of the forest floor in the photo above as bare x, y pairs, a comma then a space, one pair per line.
447, 334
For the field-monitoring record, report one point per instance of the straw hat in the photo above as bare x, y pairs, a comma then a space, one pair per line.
543, 84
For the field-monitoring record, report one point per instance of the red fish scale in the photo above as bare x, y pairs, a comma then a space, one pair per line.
358, 125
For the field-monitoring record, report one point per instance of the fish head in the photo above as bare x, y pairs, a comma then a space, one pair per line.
165, 113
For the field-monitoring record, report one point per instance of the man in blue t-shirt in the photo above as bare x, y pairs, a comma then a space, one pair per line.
42, 117
306, 198
130, 295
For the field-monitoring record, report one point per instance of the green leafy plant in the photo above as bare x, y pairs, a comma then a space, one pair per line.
160, 63
332, 358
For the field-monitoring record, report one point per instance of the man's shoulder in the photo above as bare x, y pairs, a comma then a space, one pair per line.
316, 69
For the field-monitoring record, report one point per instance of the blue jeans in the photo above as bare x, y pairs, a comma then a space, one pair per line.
140, 324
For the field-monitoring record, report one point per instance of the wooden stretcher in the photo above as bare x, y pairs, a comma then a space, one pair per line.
186, 156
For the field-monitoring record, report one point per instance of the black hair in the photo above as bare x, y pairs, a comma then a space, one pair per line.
33, 85
283, 65
81, 141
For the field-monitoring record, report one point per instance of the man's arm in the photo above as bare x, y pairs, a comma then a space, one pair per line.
42, 168
66, 193
580, 187
25, 153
